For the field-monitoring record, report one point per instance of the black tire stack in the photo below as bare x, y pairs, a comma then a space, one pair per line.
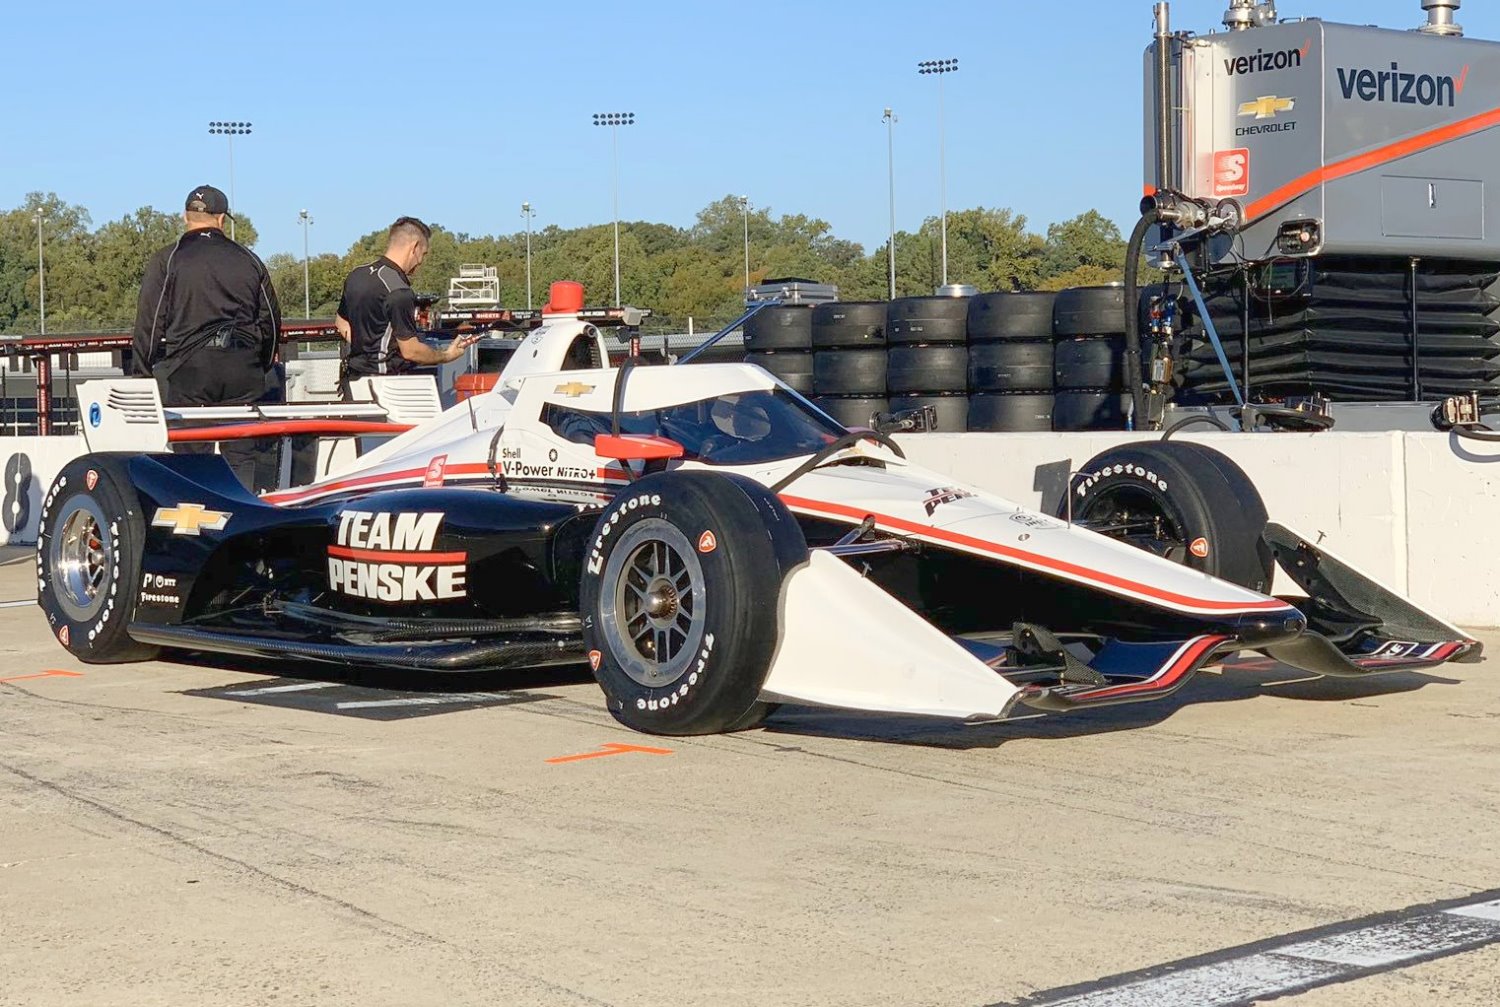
849, 360
779, 339
1010, 362
929, 358
1089, 325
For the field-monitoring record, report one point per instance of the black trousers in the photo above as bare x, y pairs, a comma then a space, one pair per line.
213, 376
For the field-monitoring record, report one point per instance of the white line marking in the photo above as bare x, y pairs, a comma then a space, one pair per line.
272, 690
18, 604
1480, 910
1230, 982
1391, 943
1278, 969
458, 697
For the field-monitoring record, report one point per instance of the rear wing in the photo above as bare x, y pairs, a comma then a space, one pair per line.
126, 414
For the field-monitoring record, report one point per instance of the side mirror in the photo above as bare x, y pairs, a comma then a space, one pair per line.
636, 447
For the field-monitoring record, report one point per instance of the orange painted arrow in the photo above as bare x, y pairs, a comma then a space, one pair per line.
49, 673
613, 748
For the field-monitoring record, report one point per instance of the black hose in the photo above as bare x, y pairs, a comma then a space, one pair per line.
1477, 432
829, 450
1188, 421
1133, 314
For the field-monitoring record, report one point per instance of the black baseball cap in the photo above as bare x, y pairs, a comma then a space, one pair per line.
207, 199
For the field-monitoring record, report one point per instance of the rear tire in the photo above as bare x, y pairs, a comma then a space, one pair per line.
679, 600
780, 327
1211, 515
1090, 411
1091, 363
795, 369
927, 370
1010, 317
1011, 413
1089, 311
843, 324
927, 320
1010, 367
853, 410
89, 546
952, 410
849, 372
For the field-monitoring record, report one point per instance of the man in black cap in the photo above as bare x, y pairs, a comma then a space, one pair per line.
206, 327
379, 311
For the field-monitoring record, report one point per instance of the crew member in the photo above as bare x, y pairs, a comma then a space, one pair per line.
206, 328
380, 311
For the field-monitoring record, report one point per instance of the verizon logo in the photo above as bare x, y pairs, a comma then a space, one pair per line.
1397, 87
1262, 61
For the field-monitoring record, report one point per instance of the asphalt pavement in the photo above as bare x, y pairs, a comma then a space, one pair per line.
211, 832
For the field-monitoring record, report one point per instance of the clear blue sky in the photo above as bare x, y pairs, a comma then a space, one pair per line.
456, 112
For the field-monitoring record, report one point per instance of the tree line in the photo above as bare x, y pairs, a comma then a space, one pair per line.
93, 273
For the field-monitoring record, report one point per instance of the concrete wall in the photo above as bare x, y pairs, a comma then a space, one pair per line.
27, 467
1420, 512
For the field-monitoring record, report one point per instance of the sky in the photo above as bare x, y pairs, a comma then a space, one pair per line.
459, 112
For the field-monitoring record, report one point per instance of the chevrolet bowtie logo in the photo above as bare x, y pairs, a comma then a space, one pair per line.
190, 519
1267, 106
573, 389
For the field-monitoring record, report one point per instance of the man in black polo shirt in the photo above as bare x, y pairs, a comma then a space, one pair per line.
206, 327
380, 311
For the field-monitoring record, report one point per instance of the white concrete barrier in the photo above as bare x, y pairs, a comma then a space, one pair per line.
28, 465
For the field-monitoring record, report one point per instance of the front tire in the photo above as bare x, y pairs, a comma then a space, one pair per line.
89, 560
1180, 500
679, 598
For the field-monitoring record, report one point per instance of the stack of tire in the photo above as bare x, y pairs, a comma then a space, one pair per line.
1089, 326
779, 339
1010, 362
849, 360
929, 358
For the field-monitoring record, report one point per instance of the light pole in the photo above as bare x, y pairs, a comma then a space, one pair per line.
614, 120
890, 161
306, 289
941, 67
745, 209
528, 213
230, 130
41, 270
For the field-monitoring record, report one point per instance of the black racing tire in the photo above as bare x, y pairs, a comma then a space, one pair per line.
1010, 367
843, 324
849, 372
1210, 511
1090, 411
925, 370
1019, 317
952, 410
1095, 364
927, 320
853, 410
1089, 311
780, 327
89, 544
793, 367
1010, 413
687, 566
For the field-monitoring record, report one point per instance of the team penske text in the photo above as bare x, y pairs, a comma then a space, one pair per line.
389, 557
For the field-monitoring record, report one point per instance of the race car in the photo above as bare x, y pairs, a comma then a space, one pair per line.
711, 544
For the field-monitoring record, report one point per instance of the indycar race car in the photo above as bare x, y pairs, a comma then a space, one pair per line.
711, 544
